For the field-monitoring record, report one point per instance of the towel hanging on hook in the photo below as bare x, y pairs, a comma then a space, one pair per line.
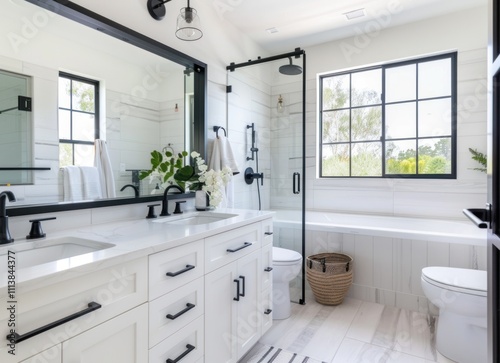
216, 130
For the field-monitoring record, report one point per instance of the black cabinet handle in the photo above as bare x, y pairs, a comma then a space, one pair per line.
173, 274
237, 298
268, 269
296, 183
17, 338
188, 350
243, 283
268, 233
245, 245
268, 311
189, 306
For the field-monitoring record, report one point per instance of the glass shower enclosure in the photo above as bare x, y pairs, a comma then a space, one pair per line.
268, 96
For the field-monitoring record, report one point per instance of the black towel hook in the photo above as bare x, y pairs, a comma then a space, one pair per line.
216, 130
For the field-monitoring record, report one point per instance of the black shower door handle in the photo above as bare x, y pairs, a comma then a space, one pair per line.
296, 183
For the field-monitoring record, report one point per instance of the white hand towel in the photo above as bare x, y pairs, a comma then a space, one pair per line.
222, 156
91, 183
103, 164
73, 188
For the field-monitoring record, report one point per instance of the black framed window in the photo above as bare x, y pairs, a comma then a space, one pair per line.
394, 120
78, 119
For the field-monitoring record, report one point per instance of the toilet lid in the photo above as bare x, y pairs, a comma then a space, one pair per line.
457, 279
285, 255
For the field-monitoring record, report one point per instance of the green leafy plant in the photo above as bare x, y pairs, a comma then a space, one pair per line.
480, 158
169, 168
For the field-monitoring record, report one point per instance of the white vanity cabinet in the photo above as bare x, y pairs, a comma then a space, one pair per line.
84, 301
207, 300
233, 293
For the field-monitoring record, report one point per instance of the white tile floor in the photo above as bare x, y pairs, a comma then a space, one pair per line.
354, 332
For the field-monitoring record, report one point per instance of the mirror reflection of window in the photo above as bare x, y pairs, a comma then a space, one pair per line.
78, 119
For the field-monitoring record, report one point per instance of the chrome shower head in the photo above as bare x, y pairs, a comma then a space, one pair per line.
290, 69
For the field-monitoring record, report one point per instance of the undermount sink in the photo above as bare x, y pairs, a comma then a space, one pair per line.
34, 253
192, 219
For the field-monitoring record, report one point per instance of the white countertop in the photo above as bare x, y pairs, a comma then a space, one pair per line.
132, 239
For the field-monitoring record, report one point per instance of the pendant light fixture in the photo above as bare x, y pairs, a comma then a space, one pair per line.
188, 21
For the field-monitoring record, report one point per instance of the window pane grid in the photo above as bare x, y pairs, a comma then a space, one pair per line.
78, 119
431, 130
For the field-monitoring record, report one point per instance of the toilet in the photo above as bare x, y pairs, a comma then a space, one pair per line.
460, 295
286, 266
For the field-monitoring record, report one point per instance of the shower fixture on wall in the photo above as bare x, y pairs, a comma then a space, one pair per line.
290, 69
280, 106
188, 21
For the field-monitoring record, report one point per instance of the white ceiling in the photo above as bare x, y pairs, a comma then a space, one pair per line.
302, 23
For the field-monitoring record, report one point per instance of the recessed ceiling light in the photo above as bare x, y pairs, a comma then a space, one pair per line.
272, 30
355, 14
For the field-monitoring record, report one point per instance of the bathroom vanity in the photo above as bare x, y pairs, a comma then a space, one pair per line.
188, 288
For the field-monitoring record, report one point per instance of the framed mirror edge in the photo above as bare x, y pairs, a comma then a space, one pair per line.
100, 203
99, 23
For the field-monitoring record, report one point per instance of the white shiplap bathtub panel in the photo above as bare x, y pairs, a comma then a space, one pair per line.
348, 248
418, 261
382, 263
438, 254
402, 265
461, 256
481, 255
320, 239
334, 242
363, 293
407, 301
363, 254
385, 297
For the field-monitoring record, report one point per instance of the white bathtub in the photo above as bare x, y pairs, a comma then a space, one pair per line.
389, 252
449, 231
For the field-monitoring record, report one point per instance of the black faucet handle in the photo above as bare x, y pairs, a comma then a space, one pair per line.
178, 209
36, 228
151, 211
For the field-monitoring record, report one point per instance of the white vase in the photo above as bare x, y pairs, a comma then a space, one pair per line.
201, 200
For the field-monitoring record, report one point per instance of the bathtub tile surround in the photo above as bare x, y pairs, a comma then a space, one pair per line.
354, 332
387, 269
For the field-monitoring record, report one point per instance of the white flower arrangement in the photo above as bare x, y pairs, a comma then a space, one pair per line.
169, 169
212, 182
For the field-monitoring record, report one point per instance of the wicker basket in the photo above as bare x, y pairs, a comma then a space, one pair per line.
330, 276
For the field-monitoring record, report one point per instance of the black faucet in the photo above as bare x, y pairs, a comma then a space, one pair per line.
164, 208
4, 219
136, 191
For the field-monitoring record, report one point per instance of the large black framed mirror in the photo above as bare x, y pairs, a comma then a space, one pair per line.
38, 23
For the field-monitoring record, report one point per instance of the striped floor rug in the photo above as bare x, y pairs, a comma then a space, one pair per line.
269, 354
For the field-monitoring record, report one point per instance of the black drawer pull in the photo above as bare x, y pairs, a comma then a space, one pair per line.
189, 306
173, 274
268, 269
17, 338
268, 233
245, 245
237, 298
188, 350
268, 311
243, 283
